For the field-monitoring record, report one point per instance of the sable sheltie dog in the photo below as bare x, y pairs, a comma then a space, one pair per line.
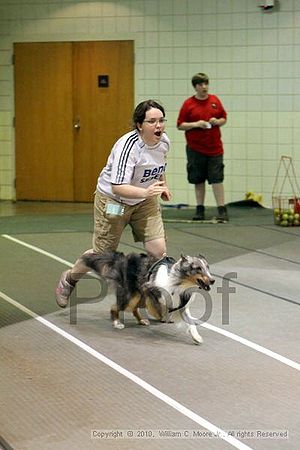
162, 286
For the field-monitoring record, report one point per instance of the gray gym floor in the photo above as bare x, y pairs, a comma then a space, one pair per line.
71, 381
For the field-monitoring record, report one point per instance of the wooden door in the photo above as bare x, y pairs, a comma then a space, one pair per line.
103, 103
43, 121
66, 120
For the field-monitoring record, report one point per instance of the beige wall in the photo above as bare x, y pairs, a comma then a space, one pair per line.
251, 56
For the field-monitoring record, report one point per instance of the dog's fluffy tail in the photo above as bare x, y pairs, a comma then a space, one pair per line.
105, 264
124, 270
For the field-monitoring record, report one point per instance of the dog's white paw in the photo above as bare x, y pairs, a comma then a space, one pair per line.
144, 322
118, 325
192, 329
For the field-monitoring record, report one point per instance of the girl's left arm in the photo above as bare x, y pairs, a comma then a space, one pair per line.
166, 195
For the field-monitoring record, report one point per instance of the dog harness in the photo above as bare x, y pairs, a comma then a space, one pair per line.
164, 261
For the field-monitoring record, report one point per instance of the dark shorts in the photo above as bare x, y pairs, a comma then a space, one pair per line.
201, 168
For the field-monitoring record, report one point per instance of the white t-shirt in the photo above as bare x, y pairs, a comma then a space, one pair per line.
133, 162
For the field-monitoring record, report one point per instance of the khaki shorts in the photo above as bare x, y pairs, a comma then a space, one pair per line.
144, 218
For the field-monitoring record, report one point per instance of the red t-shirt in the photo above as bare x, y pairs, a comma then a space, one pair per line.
207, 141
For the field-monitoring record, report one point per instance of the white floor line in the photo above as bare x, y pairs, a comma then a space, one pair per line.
257, 347
228, 334
37, 249
218, 432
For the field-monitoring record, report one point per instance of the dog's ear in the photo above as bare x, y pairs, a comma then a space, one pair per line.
183, 257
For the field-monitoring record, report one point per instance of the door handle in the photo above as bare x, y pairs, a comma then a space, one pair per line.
77, 124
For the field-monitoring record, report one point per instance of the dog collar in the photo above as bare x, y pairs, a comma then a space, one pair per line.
165, 260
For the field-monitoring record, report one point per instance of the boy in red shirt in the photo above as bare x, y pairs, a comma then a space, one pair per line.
201, 117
